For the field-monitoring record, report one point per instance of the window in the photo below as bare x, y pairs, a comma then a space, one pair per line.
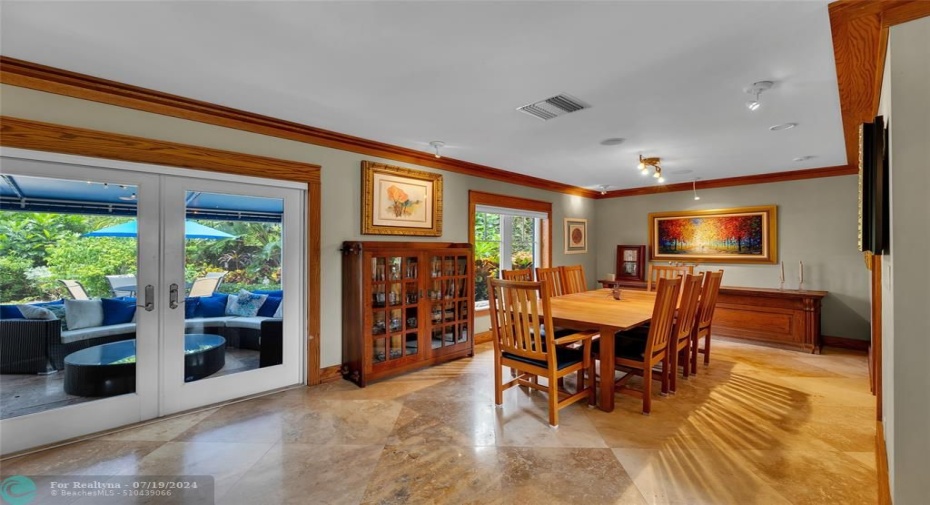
507, 233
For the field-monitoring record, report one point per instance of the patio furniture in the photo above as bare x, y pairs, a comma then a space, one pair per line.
110, 369
75, 289
204, 286
122, 285
24, 345
217, 275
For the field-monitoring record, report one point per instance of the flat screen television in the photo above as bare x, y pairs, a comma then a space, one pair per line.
873, 186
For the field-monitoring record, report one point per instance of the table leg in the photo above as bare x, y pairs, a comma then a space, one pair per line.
607, 355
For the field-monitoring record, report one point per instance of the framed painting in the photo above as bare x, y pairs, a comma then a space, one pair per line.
576, 236
737, 235
400, 201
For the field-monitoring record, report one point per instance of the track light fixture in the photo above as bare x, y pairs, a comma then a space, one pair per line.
645, 163
436, 145
756, 89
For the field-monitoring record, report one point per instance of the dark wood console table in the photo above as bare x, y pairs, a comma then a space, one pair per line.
788, 317
623, 284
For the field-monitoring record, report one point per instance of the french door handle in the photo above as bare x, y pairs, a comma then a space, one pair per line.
173, 296
149, 300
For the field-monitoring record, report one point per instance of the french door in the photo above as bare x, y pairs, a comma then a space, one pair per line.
212, 266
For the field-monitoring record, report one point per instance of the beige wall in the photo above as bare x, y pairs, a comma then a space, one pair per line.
906, 292
816, 225
341, 175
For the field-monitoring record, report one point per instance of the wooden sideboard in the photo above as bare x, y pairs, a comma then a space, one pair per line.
623, 284
788, 317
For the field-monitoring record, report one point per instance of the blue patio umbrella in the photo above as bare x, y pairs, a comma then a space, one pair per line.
130, 229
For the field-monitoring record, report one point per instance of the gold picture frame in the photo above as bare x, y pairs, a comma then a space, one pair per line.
400, 201
734, 235
576, 236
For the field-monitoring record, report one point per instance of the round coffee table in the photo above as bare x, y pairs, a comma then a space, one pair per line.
110, 369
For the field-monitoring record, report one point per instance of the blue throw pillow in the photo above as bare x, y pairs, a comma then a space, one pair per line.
269, 307
213, 306
270, 292
192, 307
117, 311
10, 312
60, 301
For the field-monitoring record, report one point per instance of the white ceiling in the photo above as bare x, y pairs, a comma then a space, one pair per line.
667, 76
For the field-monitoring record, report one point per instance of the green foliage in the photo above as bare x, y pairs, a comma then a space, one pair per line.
14, 279
29, 235
88, 260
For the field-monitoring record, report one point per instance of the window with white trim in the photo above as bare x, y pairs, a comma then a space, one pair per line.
505, 239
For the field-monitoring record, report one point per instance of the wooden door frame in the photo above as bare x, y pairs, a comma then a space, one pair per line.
38, 136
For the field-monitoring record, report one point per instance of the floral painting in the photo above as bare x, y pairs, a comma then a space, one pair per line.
728, 235
400, 201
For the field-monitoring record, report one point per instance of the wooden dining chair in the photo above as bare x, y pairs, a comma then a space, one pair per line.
573, 279
204, 286
518, 310
525, 274
679, 344
75, 289
637, 357
705, 318
554, 280
657, 272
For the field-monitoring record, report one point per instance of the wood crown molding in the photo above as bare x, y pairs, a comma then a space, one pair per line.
860, 40
27, 134
25, 74
15, 72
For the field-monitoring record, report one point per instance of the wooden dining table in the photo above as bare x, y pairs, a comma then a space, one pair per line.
598, 310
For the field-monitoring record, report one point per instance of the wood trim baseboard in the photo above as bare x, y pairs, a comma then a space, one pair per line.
845, 343
484, 336
330, 374
25, 74
34, 135
881, 465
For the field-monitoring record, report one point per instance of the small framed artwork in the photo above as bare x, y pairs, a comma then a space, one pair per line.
576, 236
631, 262
400, 201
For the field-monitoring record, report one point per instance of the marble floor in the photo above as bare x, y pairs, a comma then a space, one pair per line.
22, 394
759, 426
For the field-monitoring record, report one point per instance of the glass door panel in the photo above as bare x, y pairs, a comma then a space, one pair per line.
229, 286
71, 270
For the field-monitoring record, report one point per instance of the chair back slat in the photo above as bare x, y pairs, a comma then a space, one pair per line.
709, 298
553, 278
657, 272
518, 310
660, 329
525, 274
573, 279
687, 308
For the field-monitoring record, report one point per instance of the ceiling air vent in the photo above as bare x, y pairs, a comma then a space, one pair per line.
554, 107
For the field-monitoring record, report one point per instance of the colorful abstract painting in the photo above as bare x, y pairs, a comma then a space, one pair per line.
727, 235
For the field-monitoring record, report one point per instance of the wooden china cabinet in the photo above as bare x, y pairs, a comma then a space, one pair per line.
405, 305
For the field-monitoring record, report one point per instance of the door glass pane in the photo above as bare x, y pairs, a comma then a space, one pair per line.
68, 263
487, 252
234, 299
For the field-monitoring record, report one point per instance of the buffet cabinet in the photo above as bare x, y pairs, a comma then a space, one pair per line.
786, 317
405, 305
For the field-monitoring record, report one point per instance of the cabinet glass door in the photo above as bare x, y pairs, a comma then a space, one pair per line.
448, 297
395, 302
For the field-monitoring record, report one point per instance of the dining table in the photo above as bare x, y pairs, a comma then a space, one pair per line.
599, 310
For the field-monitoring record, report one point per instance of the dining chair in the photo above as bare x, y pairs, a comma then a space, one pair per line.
705, 318
75, 289
682, 329
119, 281
554, 280
573, 279
518, 310
204, 286
637, 357
657, 272
525, 274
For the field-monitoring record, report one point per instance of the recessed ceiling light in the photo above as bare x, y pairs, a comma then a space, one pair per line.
613, 141
785, 126
803, 158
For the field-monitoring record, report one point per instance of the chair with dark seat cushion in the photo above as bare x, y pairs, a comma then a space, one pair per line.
705, 318
679, 344
525, 274
519, 309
